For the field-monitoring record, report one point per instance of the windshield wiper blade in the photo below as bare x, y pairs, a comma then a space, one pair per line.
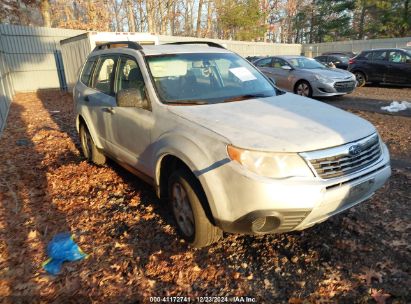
243, 97
186, 102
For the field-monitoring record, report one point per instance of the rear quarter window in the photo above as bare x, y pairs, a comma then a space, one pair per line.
365, 56
88, 71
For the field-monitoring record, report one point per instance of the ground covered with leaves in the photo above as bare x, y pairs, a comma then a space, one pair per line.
134, 253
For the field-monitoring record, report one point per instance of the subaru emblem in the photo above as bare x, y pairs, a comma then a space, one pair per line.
355, 150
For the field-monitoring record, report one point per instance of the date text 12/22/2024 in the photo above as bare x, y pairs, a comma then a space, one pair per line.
206, 299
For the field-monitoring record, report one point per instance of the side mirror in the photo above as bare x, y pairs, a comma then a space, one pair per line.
132, 98
286, 67
408, 61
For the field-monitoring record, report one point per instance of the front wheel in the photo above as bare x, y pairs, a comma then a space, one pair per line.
303, 88
186, 200
360, 78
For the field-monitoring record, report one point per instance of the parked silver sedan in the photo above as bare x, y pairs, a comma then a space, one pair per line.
307, 77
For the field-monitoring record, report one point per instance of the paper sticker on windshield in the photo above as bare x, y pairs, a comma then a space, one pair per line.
243, 74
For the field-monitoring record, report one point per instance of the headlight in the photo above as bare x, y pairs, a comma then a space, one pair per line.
274, 165
322, 79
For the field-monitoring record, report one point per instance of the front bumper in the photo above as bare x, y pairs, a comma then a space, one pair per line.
257, 205
334, 88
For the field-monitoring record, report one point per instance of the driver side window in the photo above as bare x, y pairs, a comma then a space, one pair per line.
129, 76
397, 57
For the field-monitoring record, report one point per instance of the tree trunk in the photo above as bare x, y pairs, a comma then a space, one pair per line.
130, 16
209, 16
362, 20
406, 26
45, 13
173, 18
141, 15
312, 22
198, 28
150, 16
116, 14
163, 15
169, 23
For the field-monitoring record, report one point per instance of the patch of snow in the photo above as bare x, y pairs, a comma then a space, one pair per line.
396, 106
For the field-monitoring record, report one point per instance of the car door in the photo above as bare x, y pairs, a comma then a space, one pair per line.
282, 76
101, 97
131, 125
399, 67
378, 68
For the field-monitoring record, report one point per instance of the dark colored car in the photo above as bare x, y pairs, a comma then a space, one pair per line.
253, 58
347, 54
339, 61
382, 65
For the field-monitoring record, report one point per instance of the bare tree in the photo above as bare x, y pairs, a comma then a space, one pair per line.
209, 18
130, 16
45, 12
150, 16
199, 13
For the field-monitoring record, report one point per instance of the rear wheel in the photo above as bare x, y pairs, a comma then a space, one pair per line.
303, 88
360, 78
186, 200
90, 151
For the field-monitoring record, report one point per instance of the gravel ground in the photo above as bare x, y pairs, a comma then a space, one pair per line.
46, 187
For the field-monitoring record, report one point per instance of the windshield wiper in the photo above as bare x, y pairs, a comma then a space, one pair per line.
244, 97
186, 102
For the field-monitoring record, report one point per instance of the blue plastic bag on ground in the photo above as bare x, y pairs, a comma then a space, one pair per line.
62, 248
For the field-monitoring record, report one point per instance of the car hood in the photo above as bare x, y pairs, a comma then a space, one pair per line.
331, 73
285, 123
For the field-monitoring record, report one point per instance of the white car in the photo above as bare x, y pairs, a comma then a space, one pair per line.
217, 139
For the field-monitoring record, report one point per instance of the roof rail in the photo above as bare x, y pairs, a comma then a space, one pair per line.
108, 45
209, 43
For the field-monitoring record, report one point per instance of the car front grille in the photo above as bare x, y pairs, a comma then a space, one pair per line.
344, 86
363, 153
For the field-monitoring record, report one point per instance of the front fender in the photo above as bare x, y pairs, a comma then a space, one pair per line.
200, 158
90, 128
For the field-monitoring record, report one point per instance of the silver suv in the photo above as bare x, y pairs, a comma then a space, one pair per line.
215, 137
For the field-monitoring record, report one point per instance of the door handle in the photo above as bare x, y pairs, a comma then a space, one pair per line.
108, 110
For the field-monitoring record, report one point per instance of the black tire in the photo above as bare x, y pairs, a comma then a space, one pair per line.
89, 149
303, 88
361, 78
203, 232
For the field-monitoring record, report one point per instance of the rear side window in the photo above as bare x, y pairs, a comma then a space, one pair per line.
365, 56
88, 71
104, 76
379, 55
266, 62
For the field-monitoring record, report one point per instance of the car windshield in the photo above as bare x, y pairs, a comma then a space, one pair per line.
306, 63
206, 78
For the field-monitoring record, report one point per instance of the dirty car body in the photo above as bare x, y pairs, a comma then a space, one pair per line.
306, 76
260, 160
